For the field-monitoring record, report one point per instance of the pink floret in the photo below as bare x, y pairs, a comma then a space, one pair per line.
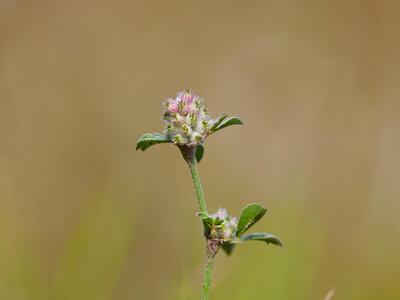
221, 214
173, 106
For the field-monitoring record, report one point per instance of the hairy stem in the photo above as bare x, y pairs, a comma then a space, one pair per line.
212, 245
198, 187
188, 154
212, 250
207, 277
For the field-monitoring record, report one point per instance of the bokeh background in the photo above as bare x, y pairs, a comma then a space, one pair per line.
84, 216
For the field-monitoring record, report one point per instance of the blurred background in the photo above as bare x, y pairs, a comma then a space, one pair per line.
85, 216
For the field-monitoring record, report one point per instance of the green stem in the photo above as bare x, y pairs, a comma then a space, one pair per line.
198, 187
207, 277
212, 247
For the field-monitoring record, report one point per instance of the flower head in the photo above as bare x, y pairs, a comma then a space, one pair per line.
187, 119
224, 226
187, 124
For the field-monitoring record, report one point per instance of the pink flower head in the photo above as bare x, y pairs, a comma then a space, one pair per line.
187, 121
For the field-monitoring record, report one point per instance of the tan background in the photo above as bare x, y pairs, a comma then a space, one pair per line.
84, 216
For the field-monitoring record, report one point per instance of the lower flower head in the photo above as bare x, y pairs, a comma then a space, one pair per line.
225, 226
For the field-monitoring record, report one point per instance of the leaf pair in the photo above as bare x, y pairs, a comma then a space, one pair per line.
223, 121
250, 215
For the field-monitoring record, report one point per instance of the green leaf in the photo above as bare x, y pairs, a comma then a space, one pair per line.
218, 122
249, 216
199, 152
225, 122
150, 139
262, 236
228, 247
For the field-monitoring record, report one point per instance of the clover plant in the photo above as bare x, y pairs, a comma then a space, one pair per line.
187, 126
